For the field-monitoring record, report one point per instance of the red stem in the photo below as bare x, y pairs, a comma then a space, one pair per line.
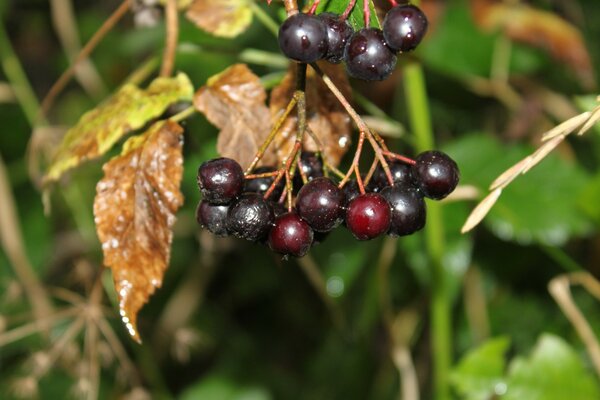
394, 3
395, 156
348, 10
367, 13
314, 6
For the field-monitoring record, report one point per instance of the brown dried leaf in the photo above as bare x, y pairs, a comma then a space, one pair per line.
538, 28
224, 18
234, 101
482, 209
134, 212
592, 120
510, 174
325, 115
566, 127
542, 152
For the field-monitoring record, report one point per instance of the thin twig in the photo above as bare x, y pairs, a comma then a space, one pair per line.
172, 26
62, 81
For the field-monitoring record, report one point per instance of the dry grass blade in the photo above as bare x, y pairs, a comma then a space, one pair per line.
481, 210
542, 152
566, 127
592, 120
560, 290
510, 174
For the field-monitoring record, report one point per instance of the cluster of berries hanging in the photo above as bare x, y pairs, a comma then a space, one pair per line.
241, 206
369, 54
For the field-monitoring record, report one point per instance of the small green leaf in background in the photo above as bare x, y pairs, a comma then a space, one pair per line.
554, 371
217, 387
356, 17
540, 206
480, 372
129, 109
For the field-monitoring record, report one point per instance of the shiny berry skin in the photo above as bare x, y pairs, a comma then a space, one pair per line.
303, 38
338, 33
401, 172
321, 204
290, 235
368, 57
250, 217
368, 216
213, 217
261, 185
220, 180
312, 167
408, 209
436, 174
404, 27
351, 191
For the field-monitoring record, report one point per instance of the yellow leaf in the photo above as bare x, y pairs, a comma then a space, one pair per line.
224, 18
99, 129
134, 212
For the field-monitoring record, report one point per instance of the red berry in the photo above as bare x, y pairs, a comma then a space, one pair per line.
290, 235
368, 216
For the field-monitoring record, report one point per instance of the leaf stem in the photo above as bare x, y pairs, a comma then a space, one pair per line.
265, 18
172, 34
420, 119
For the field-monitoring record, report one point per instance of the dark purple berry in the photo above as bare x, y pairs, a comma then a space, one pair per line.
404, 27
351, 191
303, 38
338, 33
278, 209
250, 217
290, 235
213, 217
220, 180
368, 57
368, 216
435, 174
321, 204
261, 185
401, 172
408, 209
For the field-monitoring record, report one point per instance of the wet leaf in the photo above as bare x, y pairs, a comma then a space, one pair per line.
325, 115
134, 212
538, 28
129, 109
224, 18
234, 101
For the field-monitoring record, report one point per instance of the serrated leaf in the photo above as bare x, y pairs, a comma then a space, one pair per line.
480, 371
129, 109
234, 101
134, 212
224, 18
540, 206
554, 371
356, 17
326, 117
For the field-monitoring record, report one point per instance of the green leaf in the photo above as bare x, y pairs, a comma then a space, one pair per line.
554, 371
540, 206
356, 17
217, 387
129, 109
480, 372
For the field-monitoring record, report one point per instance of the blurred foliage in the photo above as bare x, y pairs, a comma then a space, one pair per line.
234, 321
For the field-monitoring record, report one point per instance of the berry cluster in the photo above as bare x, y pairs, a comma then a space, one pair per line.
370, 53
235, 205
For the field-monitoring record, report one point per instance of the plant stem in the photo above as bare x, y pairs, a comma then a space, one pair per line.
17, 78
265, 18
441, 342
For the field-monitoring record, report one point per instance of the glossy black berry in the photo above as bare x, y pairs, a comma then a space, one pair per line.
321, 204
368, 216
312, 167
220, 180
408, 209
401, 172
351, 191
303, 38
338, 33
213, 217
261, 185
368, 57
290, 235
404, 27
250, 217
435, 174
